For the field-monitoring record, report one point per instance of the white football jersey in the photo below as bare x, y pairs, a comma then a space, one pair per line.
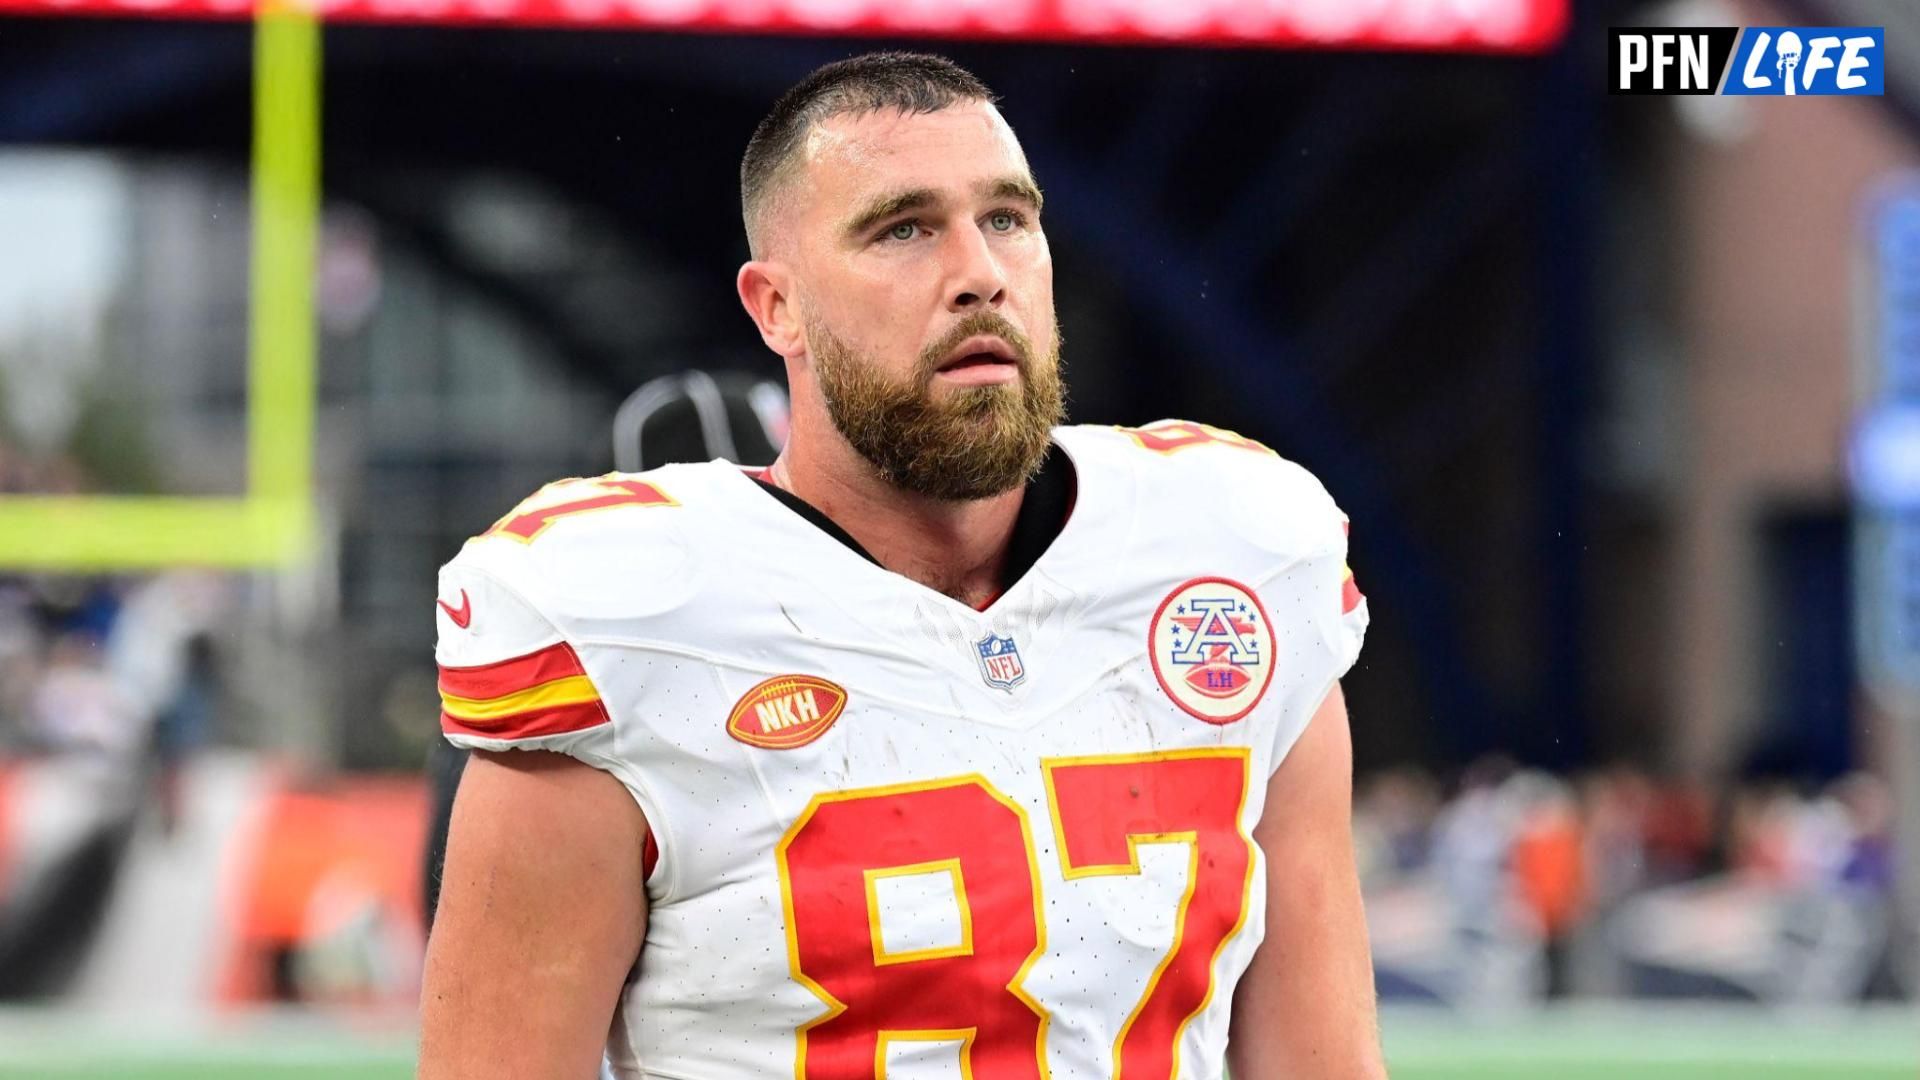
896, 837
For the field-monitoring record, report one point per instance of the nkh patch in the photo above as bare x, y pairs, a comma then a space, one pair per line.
1000, 661
1212, 649
786, 711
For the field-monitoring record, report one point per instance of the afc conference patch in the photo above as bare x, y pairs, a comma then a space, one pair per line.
1212, 649
1000, 661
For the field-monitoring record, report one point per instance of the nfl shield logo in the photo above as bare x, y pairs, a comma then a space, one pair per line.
1000, 661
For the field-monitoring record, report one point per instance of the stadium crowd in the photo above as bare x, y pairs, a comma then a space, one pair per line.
1521, 884
112, 665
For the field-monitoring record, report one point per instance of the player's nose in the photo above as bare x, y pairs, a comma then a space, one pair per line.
976, 279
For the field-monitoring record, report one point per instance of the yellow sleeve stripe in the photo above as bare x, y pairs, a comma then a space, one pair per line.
573, 690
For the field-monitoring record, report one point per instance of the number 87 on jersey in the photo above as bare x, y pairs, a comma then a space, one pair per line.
848, 850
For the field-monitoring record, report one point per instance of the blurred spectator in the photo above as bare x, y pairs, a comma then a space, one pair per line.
79, 706
1617, 805
1871, 855
1392, 821
1679, 830
1549, 869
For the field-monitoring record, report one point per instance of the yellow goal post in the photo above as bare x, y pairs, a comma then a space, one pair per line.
272, 523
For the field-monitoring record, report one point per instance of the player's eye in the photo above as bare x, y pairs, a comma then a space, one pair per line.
905, 230
1003, 221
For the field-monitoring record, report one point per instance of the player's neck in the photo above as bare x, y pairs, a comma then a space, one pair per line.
956, 548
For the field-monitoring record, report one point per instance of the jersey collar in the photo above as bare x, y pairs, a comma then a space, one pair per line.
1043, 513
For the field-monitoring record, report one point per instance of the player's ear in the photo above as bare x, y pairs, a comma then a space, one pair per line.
765, 289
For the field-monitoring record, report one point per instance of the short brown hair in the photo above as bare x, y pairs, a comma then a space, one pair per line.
908, 82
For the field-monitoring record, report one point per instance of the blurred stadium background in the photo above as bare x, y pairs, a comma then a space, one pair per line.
1611, 388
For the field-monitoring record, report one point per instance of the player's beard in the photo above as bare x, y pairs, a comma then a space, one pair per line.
973, 442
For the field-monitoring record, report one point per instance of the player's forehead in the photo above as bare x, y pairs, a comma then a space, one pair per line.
957, 151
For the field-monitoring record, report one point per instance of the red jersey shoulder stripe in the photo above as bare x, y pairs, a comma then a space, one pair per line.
557, 661
546, 692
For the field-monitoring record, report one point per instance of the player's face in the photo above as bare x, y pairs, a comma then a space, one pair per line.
926, 287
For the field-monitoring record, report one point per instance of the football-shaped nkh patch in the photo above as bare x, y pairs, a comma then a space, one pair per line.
786, 711
1212, 649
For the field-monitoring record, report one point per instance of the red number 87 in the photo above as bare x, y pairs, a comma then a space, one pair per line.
1103, 808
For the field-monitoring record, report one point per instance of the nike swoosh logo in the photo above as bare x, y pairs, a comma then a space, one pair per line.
461, 615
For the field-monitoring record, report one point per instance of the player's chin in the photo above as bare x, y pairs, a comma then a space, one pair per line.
980, 409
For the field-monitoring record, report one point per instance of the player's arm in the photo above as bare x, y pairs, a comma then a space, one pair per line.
1305, 1007
542, 912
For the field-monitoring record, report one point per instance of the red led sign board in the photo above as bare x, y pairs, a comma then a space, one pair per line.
1430, 25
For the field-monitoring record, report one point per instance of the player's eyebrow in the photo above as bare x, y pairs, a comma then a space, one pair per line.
1017, 188
886, 206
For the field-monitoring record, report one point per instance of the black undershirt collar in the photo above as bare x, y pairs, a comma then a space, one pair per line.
1043, 513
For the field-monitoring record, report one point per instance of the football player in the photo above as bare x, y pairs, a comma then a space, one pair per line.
956, 743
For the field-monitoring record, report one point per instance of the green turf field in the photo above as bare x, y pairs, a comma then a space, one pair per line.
1585, 1044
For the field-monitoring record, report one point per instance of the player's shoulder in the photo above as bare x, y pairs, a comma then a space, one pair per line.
578, 516
580, 545
1188, 473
